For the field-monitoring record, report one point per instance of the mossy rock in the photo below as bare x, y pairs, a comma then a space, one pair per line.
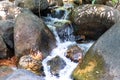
92, 68
102, 61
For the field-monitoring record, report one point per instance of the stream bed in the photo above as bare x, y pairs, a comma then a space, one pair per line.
63, 42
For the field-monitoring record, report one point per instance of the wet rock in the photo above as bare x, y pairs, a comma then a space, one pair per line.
4, 72
32, 4
58, 13
56, 64
3, 48
93, 20
22, 74
30, 32
32, 62
102, 60
75, 53
64, 30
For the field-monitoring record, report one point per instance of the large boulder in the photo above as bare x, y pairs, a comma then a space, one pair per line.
93, 20
102, 61
31, 33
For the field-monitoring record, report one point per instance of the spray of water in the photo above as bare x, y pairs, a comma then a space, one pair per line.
60, 50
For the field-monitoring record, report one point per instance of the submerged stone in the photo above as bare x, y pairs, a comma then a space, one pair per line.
75, 53
56, 64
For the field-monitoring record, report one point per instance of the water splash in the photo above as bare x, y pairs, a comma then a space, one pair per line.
61, 49
64, 73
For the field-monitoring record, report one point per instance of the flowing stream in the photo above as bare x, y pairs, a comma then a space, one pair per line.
62, 46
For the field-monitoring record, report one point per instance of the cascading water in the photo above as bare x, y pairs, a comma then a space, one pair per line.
60, 50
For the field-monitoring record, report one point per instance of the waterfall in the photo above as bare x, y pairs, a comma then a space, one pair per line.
60, 50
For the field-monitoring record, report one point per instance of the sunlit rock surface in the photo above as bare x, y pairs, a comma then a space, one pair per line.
102, 61
32, 62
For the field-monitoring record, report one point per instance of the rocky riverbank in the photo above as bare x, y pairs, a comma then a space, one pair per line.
25, 36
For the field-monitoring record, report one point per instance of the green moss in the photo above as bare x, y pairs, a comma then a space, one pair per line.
92, 68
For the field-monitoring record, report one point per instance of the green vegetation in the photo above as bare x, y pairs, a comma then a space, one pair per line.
115, 1
93, 1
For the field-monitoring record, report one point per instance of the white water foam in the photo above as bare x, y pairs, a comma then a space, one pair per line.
64, 73
60, 50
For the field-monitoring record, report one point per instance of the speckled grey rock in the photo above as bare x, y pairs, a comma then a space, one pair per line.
103, 58
5, 71
22, 74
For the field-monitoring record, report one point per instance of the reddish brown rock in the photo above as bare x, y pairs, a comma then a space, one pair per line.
75, 53
32, 62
